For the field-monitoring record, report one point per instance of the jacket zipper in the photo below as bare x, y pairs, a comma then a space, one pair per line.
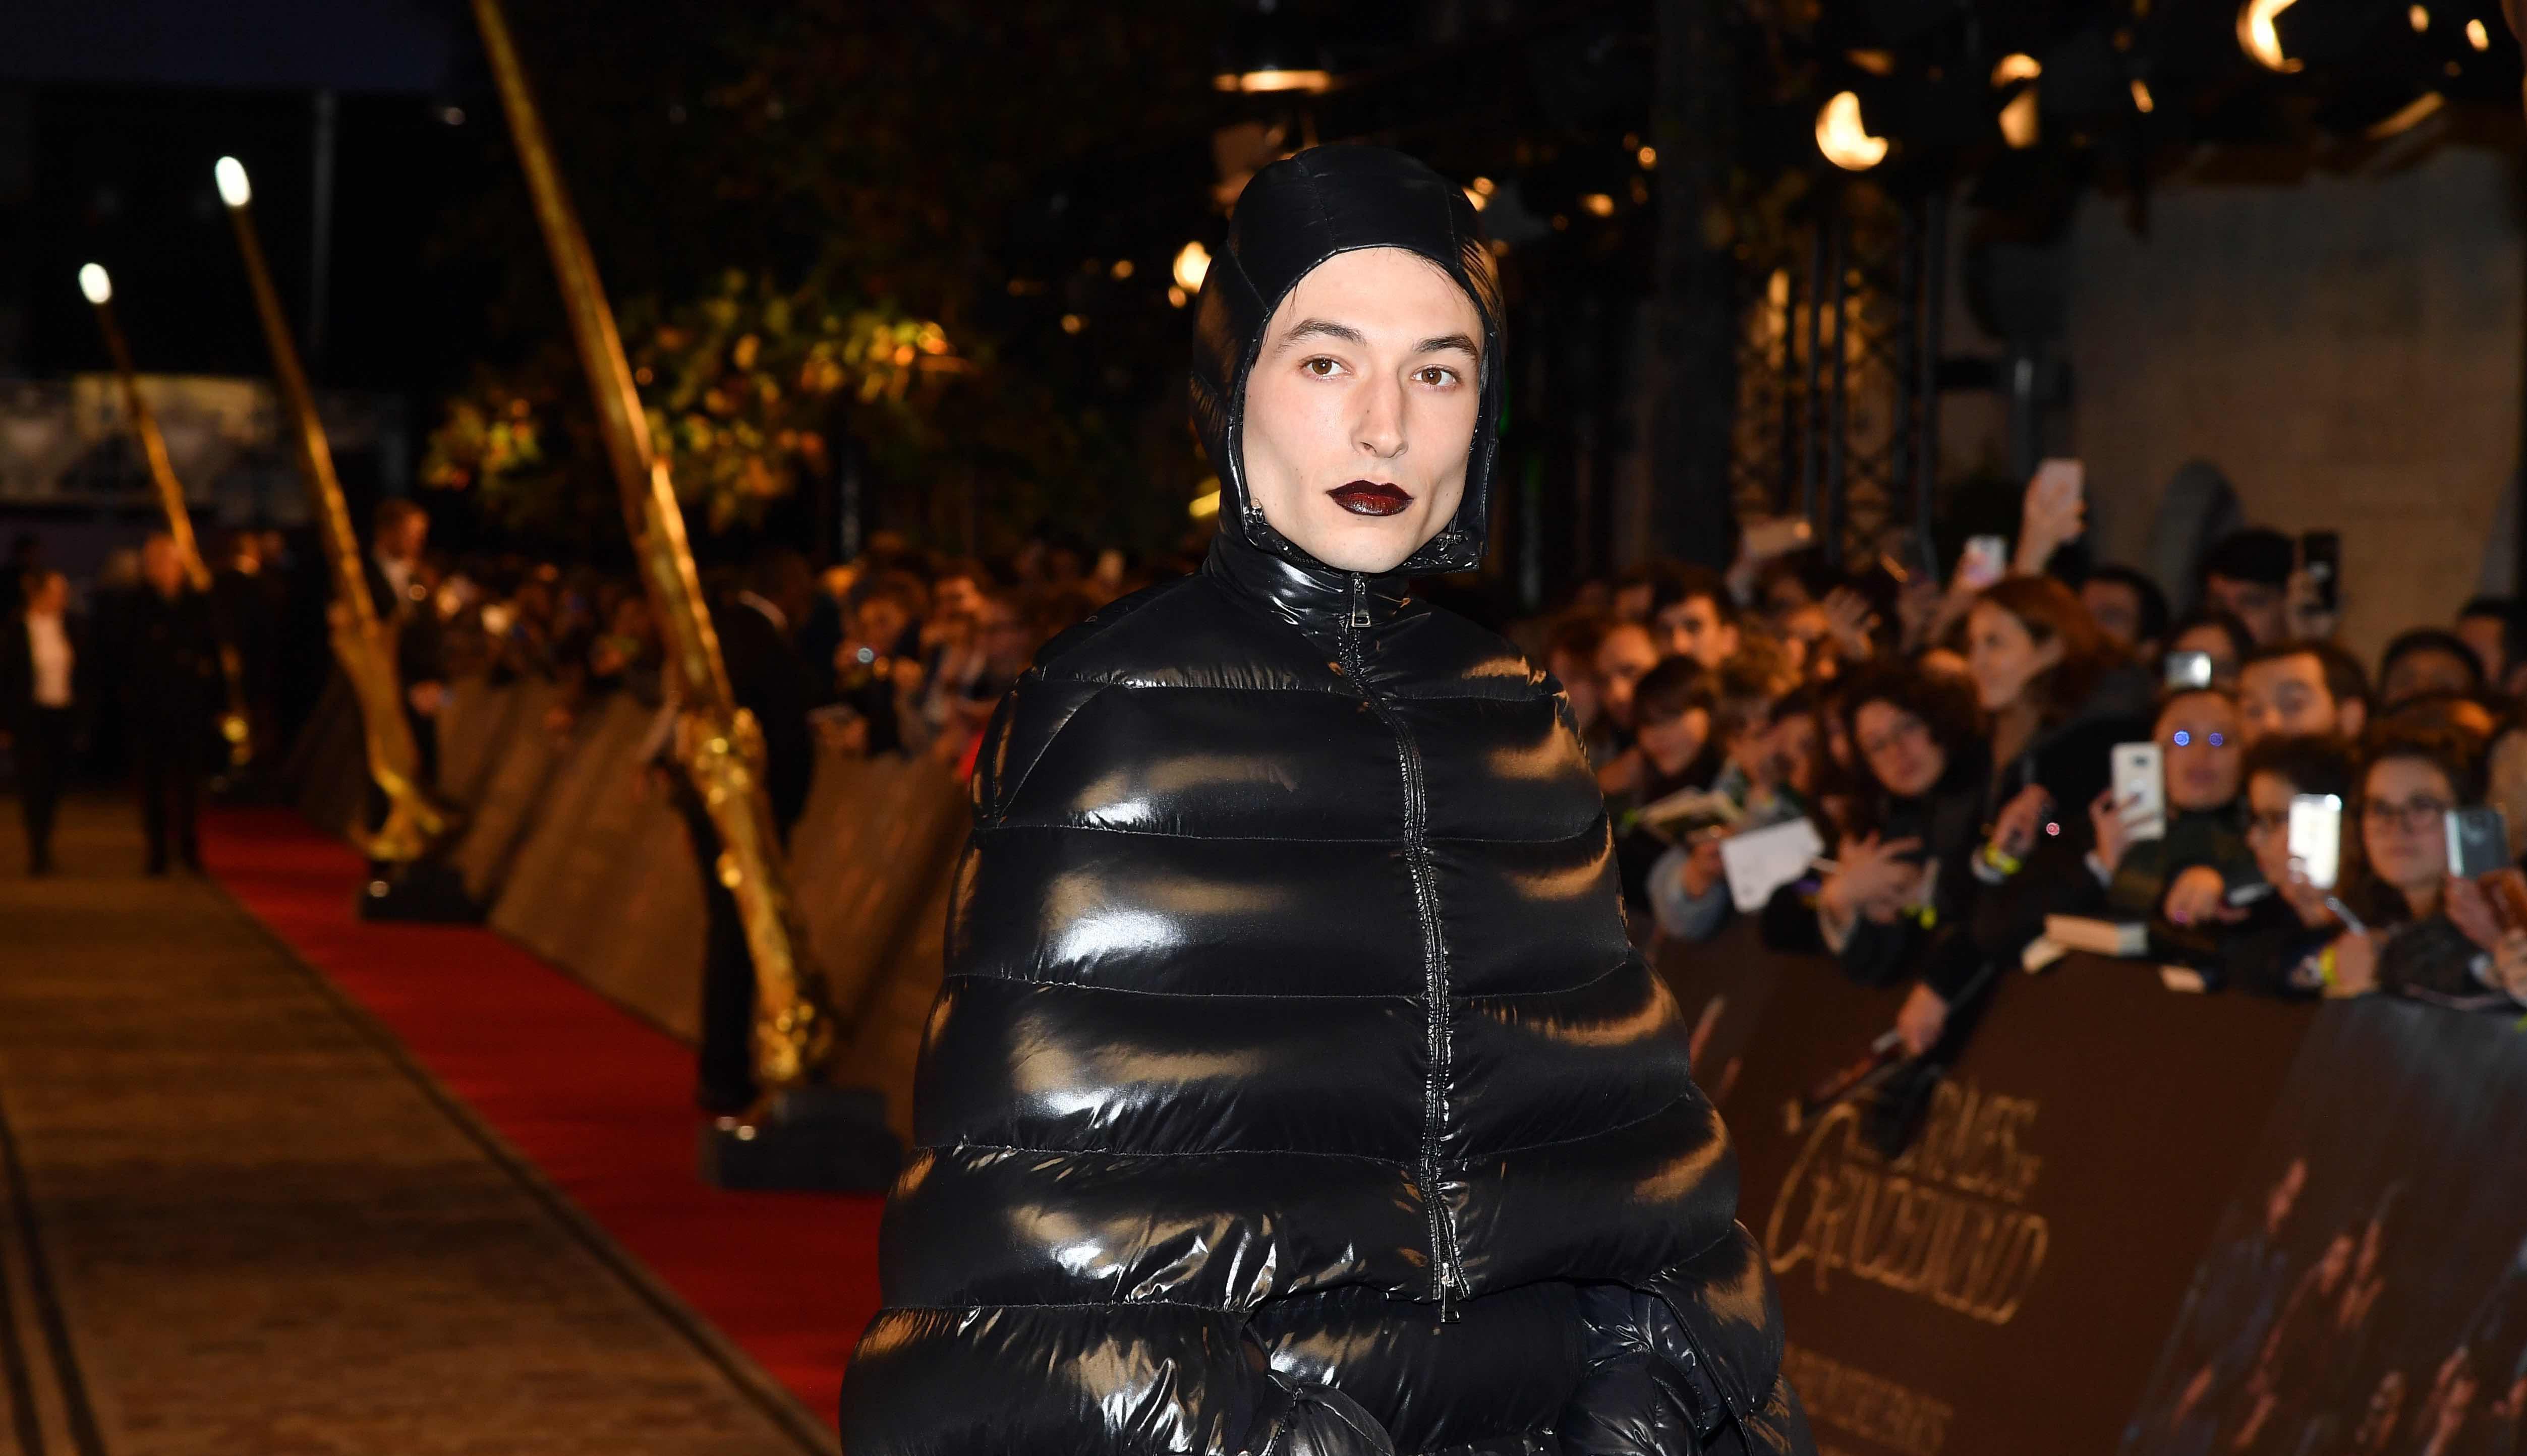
1446, 1261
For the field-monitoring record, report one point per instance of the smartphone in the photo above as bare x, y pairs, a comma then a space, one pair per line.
1762, 541
2320, 555
2478, 841
2316, 838
1985, 560
2189, 670
2139, 779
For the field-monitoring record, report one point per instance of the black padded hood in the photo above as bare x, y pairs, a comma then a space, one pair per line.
1294, 215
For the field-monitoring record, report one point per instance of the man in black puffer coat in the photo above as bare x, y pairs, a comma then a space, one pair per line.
1293, 1088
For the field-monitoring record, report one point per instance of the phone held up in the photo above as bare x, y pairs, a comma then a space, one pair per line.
2187, 671
1984, 561
2320, 555
2140, 785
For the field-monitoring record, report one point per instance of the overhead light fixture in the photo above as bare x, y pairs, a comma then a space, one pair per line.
2018, 66
2257, 38
1193, 263
234, 189
1845, 142
93, 283
1121, 270
1874, 62
1602, 205
2419, 18
2477, 36
2018, 121
2142, 101
1648, 158
1308, 80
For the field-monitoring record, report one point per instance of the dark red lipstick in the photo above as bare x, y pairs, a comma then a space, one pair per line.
1370, 497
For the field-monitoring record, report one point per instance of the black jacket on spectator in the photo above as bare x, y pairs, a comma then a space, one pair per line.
167, 670
1293, 1087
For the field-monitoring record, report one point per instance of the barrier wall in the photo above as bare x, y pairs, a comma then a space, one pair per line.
579, 852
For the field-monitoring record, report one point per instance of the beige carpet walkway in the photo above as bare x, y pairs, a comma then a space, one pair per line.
234, 1223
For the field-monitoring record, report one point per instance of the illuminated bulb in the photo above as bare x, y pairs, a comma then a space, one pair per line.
1193, 261
2018, 125
2141, 98
1485, 185
2419, 18
2257, 38
1476, 198
234, 189
1845, 142
95, 283
2477, 36
1272, 81
1598, 204
2016, 68
1175, 297
1122, 269
1648, 158
1072, 323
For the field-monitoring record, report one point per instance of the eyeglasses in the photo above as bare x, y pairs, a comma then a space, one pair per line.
2413, 818
1903, 730
2184, 737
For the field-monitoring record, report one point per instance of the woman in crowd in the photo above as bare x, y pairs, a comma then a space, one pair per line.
2187, 873
2427, 933
1902, 881
2270, 946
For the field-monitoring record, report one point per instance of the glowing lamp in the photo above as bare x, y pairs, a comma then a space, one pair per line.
1193, 263
2257, 38
2012, 68
98, 287
234, 189
1845, 142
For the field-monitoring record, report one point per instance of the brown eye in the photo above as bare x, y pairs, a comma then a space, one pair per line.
1435, 375
1321, 368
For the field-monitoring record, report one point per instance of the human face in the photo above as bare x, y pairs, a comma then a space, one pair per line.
1621, 658
2426, 671
2260, 607
1362, 409
956, 597
2403, 824
2217, 645
2287, 694
1694, 628
2117, 608
1672, 745
2004, 656
2197, 734
1791, 750
1899, 748
2268, 801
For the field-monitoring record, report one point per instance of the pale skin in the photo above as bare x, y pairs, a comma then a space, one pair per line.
1369, 371
2289, 694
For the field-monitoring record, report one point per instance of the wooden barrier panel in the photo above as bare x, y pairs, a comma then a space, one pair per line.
517, 773
2005, 1284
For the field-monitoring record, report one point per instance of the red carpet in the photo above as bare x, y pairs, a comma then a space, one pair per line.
600, 1103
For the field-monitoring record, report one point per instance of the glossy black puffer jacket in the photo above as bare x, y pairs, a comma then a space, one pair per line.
1294, 1088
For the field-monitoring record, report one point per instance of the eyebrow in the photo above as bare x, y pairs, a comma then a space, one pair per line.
1328, 329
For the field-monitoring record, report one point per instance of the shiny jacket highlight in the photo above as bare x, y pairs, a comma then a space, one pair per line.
1294, 1088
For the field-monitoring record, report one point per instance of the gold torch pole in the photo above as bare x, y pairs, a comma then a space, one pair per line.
719, 742
414, 820
99, 289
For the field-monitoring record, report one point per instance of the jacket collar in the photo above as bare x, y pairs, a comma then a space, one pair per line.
1316, 599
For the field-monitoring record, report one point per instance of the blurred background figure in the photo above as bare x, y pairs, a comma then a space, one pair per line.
41, 696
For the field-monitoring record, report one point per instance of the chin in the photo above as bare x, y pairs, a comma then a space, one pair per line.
1370, 544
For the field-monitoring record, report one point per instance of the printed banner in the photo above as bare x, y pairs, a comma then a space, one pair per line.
2367, 1290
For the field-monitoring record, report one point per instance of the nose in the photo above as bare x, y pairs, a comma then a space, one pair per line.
1380, 427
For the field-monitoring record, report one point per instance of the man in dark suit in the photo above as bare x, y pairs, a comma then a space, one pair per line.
170, 671
756, 625
40, 671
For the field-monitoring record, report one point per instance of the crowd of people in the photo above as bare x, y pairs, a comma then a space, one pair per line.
1952, 746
